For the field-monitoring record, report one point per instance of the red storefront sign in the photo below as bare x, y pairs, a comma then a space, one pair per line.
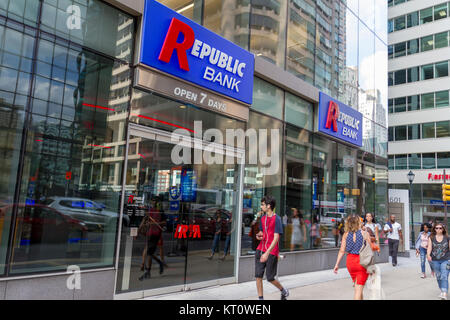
437, 177
182, 229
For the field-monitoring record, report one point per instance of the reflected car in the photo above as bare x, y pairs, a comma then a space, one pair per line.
330, 218
41, 224
90, 212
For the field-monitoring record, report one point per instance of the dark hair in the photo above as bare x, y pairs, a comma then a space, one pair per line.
444, 229
268, 200
372, 215
425, 225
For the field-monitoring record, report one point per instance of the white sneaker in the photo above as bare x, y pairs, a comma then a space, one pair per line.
443, 296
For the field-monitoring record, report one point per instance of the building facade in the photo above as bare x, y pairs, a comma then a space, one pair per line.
90, 131
419, 118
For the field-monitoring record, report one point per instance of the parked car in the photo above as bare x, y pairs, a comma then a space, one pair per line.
92, 213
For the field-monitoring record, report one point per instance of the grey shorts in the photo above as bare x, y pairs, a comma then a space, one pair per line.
270, 265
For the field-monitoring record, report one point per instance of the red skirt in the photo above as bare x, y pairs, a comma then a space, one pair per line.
357, 271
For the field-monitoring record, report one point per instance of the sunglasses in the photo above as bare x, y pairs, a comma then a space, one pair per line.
439, 228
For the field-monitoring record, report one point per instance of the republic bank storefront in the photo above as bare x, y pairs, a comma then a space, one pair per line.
105, 108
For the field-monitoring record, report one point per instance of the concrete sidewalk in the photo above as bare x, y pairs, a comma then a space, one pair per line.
399, 283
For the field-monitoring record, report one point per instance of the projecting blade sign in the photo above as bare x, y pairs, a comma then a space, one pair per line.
178, 46
339, 120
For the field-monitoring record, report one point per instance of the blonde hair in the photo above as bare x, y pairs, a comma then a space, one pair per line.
352, 224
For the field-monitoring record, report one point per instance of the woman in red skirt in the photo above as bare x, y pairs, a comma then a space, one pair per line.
352, 241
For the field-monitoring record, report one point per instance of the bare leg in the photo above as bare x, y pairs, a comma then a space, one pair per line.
277, 284
358, 292
259, 286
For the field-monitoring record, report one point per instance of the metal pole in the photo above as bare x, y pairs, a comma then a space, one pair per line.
412, 214
445, 206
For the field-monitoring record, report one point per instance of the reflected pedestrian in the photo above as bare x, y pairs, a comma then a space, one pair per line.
422, 243
298, 236
352, 242
438, 254
229, 231
217, 234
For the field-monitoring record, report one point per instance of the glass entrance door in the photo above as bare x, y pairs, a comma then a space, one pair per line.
184, 203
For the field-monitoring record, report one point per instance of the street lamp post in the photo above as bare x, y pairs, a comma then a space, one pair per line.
411, 176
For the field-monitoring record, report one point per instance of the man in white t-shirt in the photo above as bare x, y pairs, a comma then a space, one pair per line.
394, 230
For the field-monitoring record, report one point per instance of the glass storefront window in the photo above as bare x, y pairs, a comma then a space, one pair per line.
428, 130
298, 200
69, 203
267, 98
298, 112
16, 51
442, 129
258, 184
442, 99
428, 160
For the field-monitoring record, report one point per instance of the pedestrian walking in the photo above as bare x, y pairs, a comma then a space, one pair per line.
394, 235
352, 242
422, 246
371, 226
156, 223
438, 254
217, 234
266, 257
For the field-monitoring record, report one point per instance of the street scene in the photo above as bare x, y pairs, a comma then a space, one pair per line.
224, 149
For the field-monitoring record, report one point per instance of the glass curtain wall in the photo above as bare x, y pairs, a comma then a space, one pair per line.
64, 99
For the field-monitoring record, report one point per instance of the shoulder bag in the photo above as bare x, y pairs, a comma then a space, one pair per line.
366, 257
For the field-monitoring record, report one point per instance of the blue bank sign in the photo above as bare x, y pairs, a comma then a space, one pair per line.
339, 120
178, 46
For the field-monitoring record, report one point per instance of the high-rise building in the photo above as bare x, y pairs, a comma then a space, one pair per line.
419, 110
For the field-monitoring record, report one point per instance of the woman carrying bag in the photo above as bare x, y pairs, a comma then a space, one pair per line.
356, 243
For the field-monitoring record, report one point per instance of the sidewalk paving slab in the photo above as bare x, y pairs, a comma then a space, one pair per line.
402, 282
